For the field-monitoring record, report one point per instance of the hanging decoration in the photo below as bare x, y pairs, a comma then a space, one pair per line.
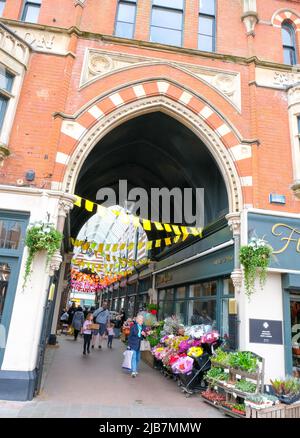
145, 223
114, 247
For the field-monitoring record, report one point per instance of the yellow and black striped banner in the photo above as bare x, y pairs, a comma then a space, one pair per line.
114, 247
147, 225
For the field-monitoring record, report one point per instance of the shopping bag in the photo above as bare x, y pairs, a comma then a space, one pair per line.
127, 360
145, 346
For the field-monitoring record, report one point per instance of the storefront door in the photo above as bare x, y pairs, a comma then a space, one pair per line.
8, 279
295, 332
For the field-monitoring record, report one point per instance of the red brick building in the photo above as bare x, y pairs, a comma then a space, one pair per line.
157, 92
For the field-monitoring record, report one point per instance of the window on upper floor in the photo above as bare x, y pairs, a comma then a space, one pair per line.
125, 20
31, 11
289, 44
2, 6
207, 25
167, 22
6, 84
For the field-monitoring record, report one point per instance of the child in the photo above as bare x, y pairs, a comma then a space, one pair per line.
111, 334
87, 333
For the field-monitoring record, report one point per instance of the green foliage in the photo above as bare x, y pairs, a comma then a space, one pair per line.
221, 356
245, 386
289, 386
239, 407
217, 374
40, 237
152, 307
243, 360
255, 258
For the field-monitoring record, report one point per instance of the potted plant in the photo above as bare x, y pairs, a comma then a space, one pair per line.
41, 236
152, 308
255, 257
239, 408
287, 390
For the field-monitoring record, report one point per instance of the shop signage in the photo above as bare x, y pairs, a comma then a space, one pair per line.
283, 234
164, 278
265, 331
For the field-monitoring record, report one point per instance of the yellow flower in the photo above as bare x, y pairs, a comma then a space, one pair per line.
195, 352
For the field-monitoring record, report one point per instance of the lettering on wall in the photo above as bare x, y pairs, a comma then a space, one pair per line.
287, 235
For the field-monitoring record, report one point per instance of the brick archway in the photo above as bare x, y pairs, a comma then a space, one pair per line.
286, 15
80, 133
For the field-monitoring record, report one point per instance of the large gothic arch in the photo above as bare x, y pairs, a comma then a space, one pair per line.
81, 132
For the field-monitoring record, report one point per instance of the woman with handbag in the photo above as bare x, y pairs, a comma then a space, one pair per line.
137, 333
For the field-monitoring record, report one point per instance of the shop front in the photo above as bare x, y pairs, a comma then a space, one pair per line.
197, 287
280, 298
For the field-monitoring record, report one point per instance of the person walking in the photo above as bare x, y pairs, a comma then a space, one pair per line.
87, 333
71, 312
101, 317
77, 323
137, 333
111, 334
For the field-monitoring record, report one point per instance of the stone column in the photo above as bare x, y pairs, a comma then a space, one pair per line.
64, 207
234, 222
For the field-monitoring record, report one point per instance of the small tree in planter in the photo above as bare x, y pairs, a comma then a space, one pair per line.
40, 236
255, 257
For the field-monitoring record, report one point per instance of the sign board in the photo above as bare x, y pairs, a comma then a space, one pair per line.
265, 331
283, 234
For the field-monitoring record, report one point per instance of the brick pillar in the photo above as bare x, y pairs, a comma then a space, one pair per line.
143, 18
190, 27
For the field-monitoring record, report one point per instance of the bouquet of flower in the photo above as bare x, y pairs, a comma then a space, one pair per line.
158, 352
183, 365
195, 331
210, 338
171, 326
176, 341
195, 352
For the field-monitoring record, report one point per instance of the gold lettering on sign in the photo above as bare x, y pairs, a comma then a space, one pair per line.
289, 234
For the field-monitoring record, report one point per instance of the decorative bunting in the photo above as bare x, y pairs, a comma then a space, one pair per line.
145, 223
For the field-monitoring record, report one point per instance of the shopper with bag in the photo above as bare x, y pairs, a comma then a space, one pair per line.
137, 333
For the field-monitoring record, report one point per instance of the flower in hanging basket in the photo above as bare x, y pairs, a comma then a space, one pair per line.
153, 312
255, 258
41, 237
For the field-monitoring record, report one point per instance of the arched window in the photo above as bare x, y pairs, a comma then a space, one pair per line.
289, 44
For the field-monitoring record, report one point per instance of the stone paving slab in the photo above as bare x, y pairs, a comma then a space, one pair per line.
95, 386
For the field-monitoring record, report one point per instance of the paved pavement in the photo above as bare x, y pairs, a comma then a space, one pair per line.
77, 386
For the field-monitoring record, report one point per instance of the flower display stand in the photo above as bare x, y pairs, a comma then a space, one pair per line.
278, 411
231, 394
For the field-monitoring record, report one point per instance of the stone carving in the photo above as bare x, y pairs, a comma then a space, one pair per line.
277, 79
234, 222
40, 41
43, 41
225, 83
13, 46
294, 95
296, 189
237, 279
99, 63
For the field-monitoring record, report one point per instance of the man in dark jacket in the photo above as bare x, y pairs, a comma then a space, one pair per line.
137, 333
